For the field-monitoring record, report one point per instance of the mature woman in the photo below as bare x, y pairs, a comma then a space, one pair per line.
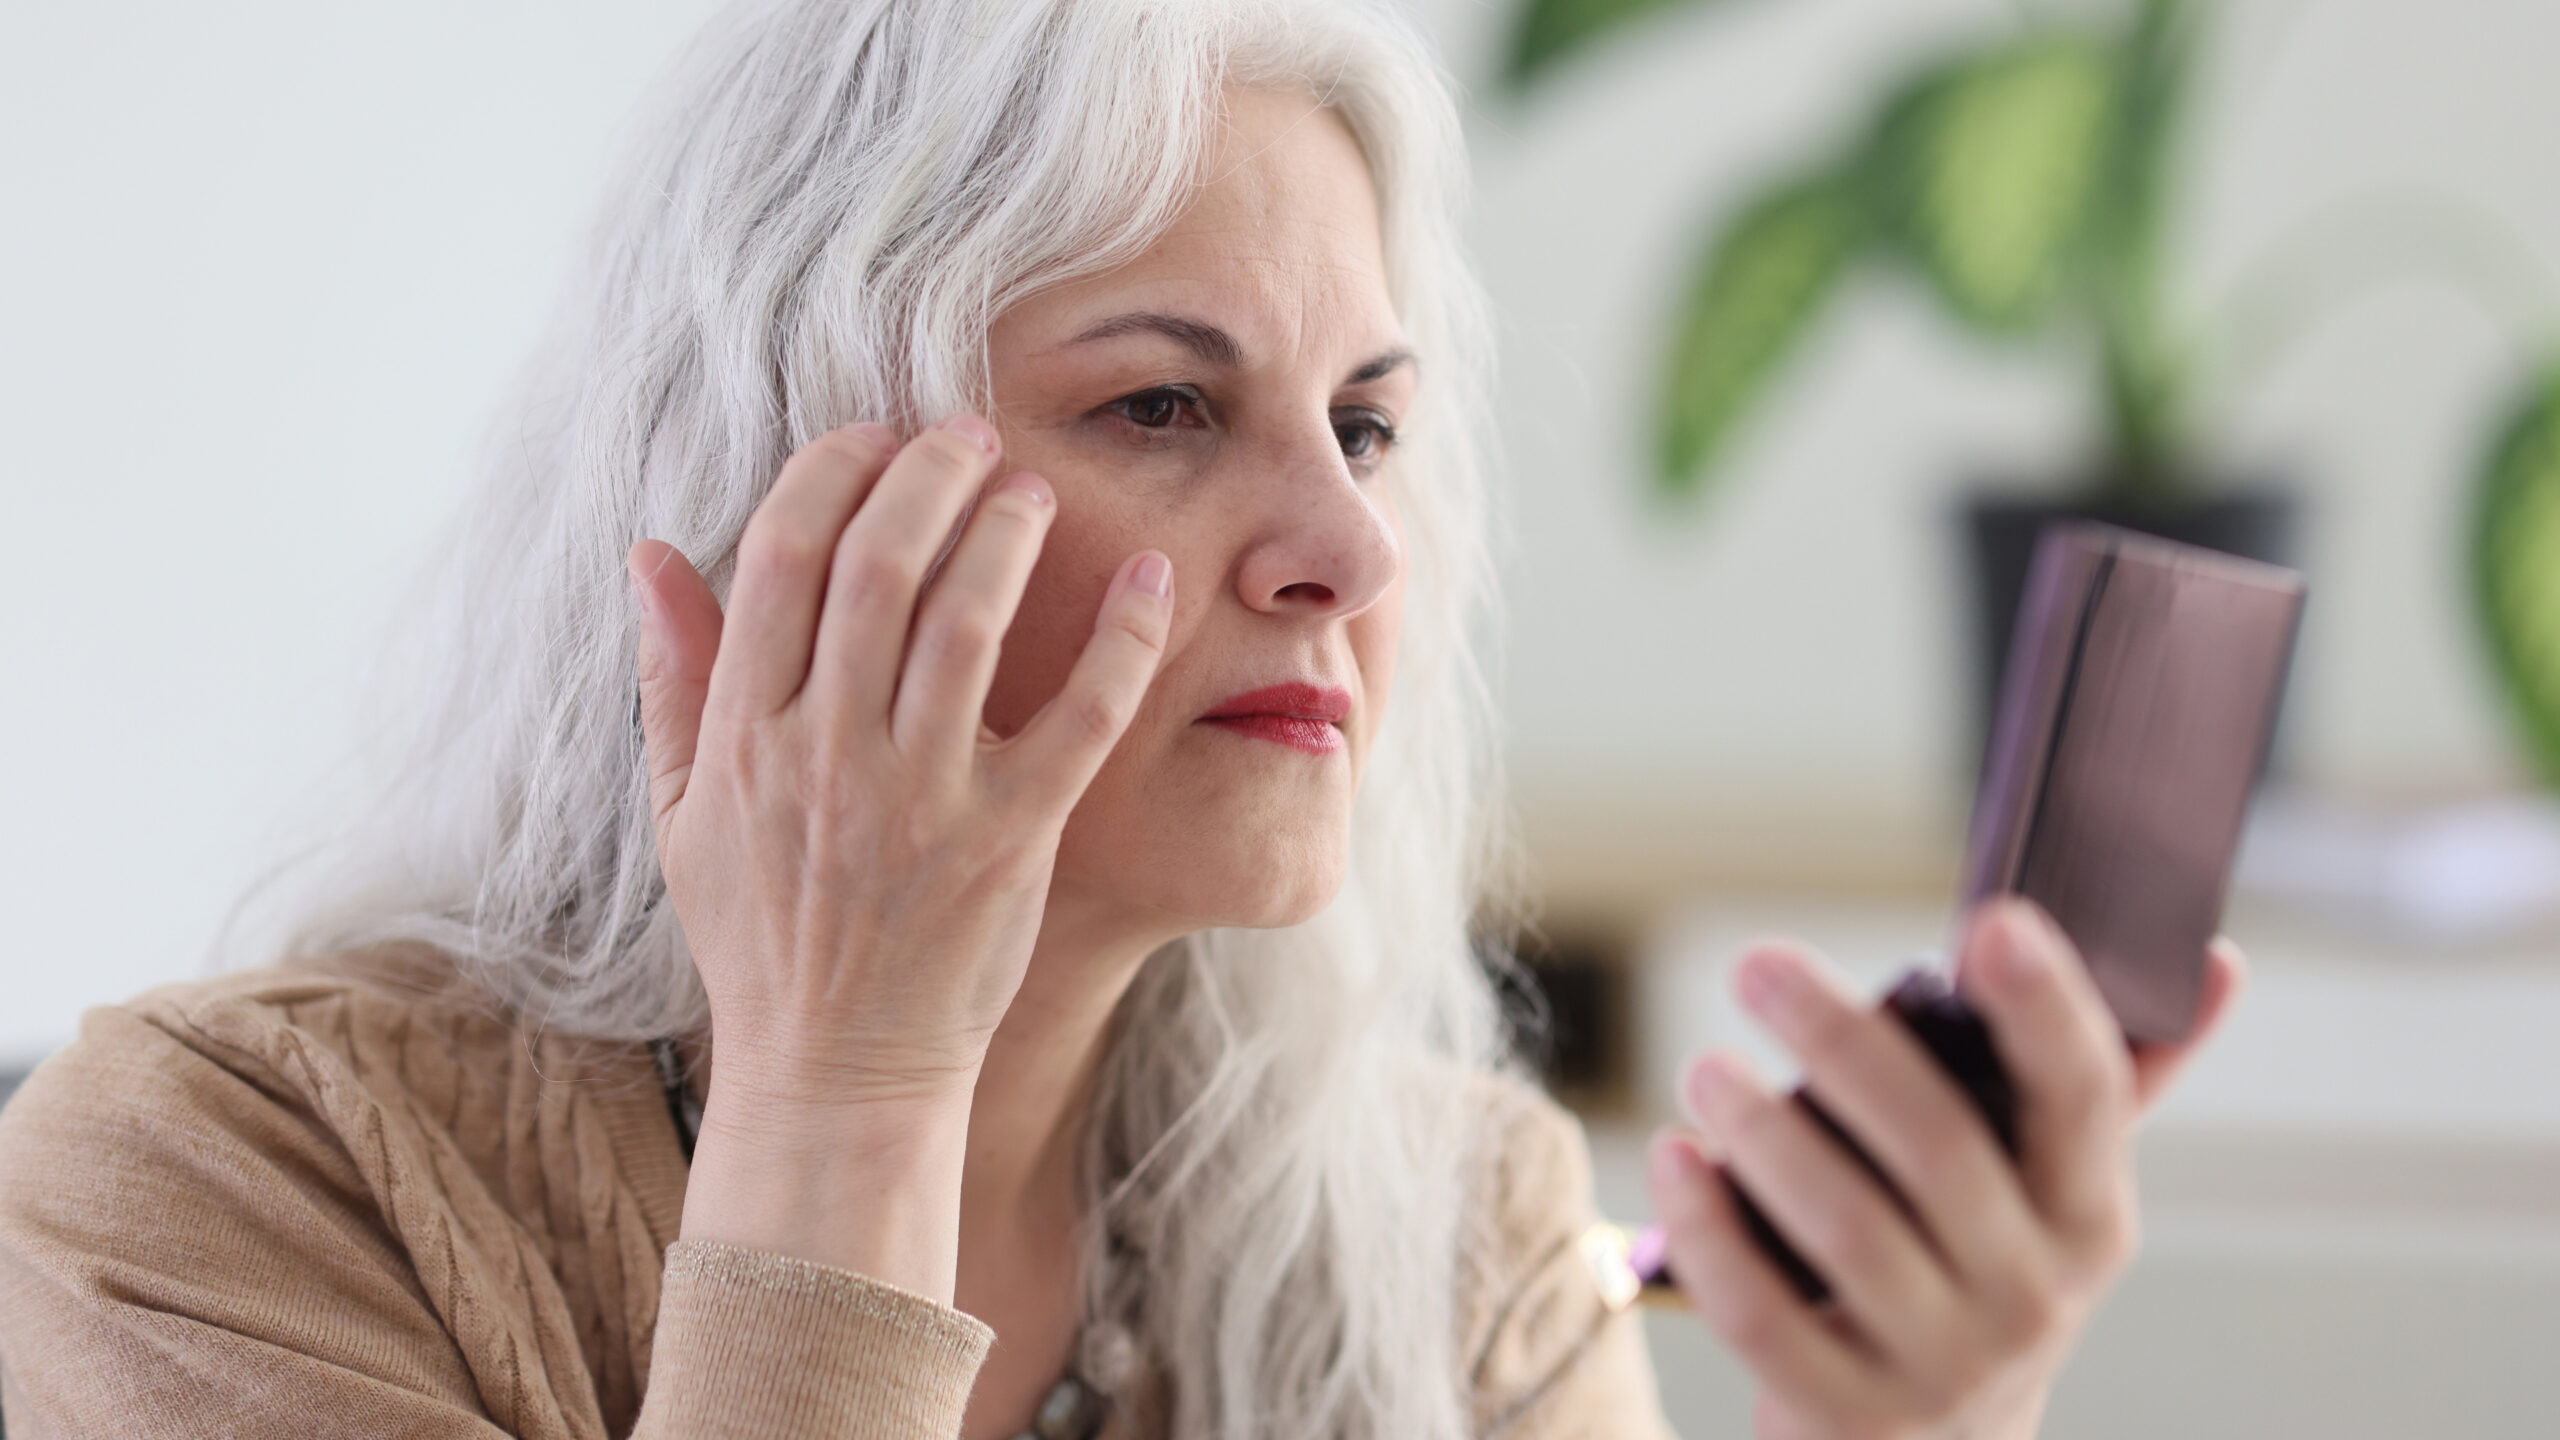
962, 939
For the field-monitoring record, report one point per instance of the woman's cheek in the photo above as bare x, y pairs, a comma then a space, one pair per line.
1051, 625
1373, 635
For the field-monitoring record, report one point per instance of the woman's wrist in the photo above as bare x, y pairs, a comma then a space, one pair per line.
869, 1184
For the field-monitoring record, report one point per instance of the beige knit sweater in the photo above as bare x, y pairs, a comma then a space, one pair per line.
296, 1204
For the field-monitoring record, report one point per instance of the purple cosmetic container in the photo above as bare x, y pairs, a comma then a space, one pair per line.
2135, 713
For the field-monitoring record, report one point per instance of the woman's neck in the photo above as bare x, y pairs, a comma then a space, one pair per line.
1021, 1207
1041, 1067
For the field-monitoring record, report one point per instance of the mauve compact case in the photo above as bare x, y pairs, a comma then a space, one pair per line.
2135, 712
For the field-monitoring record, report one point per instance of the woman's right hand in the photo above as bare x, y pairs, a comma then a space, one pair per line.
858, 863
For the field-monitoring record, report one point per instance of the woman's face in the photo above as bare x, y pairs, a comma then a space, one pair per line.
1229, 398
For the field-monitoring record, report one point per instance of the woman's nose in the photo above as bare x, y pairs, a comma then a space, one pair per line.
1323, 545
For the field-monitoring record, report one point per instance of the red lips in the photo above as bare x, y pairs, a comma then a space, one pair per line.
1298, 715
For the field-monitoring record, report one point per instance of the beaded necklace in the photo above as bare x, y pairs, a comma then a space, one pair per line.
1072, 1410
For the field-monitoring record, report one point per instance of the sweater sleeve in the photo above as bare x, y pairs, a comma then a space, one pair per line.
754, 1344
220, 1231
1549, 1357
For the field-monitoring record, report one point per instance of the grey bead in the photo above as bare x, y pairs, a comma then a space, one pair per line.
1071, 1412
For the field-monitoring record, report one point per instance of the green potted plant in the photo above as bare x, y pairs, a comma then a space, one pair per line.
2025, 182
2515, 566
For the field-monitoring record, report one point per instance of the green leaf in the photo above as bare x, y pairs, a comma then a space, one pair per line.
1986, 171
1761, 284
2516, 565
2143, 366
1552, 29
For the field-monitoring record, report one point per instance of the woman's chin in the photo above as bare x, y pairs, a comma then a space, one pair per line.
1256, 891
1215, 846
1291, 905
1276, 867
1210, 886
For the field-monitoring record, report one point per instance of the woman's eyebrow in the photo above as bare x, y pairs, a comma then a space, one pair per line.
1386, 362
1201, 338
1215, 346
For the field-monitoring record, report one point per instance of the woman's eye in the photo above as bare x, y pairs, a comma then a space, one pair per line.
1158, 408
1363, 434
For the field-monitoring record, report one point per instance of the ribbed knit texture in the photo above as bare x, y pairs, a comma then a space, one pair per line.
286, 1204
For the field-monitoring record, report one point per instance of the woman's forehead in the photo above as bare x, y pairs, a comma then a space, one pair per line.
1278, 254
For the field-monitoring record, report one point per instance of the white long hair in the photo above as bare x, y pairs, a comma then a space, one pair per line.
833, 201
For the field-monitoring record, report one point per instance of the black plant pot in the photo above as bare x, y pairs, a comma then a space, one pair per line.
2258, 522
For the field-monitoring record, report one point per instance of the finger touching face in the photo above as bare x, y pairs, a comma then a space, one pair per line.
1232, 398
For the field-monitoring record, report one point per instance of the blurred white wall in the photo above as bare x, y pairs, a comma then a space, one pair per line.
266, 269
267, 266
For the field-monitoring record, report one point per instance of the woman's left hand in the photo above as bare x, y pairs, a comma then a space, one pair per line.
1951, 1317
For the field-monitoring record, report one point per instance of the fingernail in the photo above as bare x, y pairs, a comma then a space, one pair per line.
1677, 1163
1768, 984
1673, 1160
1711, 1087
1026, 483
2024, 934
982, 434
1686, 1152
1154, 575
